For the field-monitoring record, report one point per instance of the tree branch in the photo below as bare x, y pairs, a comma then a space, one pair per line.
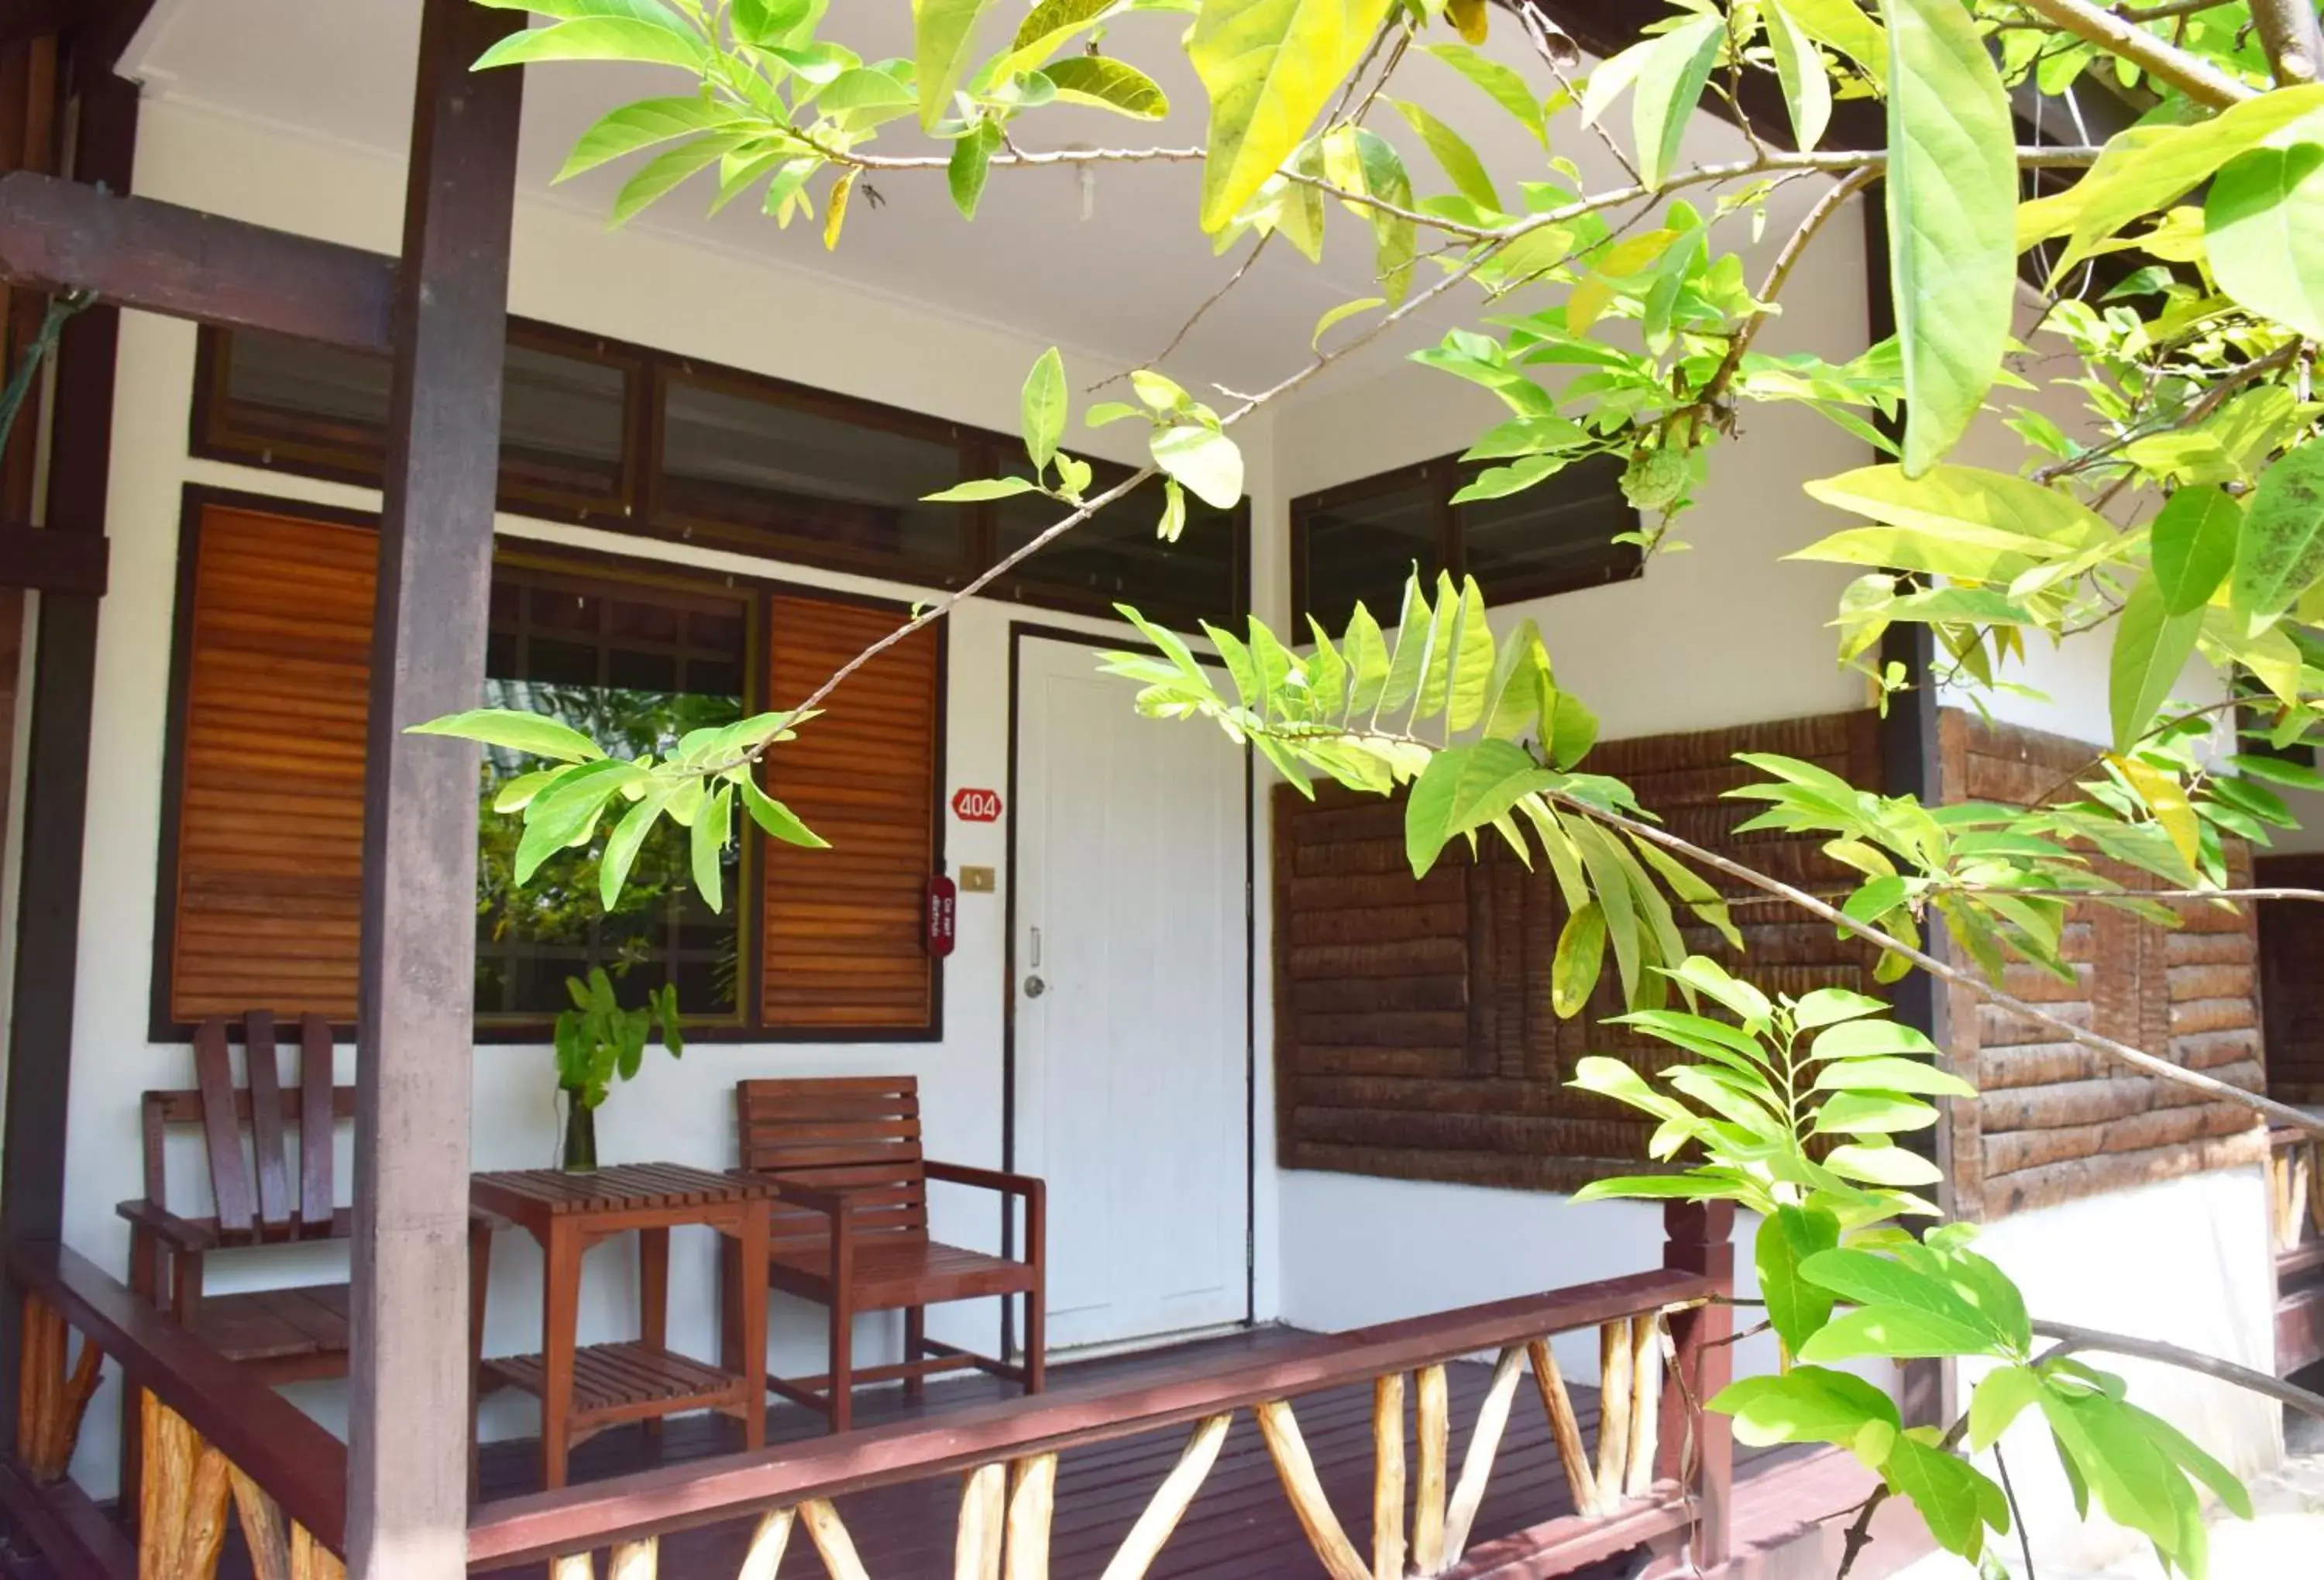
2071, 1338
2198, 78
2288, 33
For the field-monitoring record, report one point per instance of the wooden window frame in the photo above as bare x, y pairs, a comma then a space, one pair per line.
637, 508
1016, 588
1619, 563
748, 1026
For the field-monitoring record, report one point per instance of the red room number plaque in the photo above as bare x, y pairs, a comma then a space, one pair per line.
976, 806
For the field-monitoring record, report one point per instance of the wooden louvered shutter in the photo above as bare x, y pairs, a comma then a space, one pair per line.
843, 932
269, 835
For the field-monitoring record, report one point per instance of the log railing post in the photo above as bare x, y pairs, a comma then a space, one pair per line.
1700, 1239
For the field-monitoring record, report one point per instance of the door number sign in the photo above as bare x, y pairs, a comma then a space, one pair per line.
976, 806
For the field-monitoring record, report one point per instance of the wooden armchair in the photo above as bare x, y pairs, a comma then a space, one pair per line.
280, 1334
850, 1230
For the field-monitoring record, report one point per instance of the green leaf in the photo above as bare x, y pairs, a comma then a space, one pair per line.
982, 488
1359, 160
2152, 647
1796, 1305
942, 33
2191, 1458
2192, 541
1807, 1404
861, 88
632, 127
1042, 409
711, 826
1874, 1113
669, 170
1464, 788
1672, 76
1952, 219
1899, 1332
654, 37
1049, 24
1842, 25
1712, 980
567, 814
1885, 1164
518, 732
1969, 504
1807, 86
1946, 1491
971, 163
1451, 150
778, 821
1108, 84
1500, 83
1204, 459
1581, 956
622, 845
1890, 1075
1998, 1401
2279, 552
1174, 511
1270, 67
1344, 311
2263, 231
1828, 1006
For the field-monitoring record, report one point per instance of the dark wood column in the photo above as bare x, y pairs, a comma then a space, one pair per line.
62, 699
408, 1418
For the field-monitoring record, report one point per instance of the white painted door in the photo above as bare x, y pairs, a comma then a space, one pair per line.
1130, 1004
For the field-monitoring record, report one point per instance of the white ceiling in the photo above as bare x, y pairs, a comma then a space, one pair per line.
1120, 282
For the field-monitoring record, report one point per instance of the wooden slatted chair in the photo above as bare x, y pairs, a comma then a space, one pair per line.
282, 1334
850, 1230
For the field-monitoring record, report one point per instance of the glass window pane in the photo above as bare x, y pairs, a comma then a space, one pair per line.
759, 468
635, 670
314, 401
1364, 547
563, 424
1116, 555
1555, 535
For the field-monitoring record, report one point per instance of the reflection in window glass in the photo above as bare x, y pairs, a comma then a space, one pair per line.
634, 669
1363, 549
563, 424
302, 396
749, 462
1117, 555
1557, 534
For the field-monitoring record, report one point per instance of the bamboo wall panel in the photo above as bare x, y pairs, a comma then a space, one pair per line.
1414, 1035
2056, 1121
843, 927
269, 810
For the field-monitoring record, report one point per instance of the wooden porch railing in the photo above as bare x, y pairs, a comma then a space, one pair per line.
1659, 1475
2295, 1178
216, 1445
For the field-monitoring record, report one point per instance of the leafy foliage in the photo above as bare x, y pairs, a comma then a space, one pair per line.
598, 1042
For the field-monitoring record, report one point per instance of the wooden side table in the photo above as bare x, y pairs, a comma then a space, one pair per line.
583, 1390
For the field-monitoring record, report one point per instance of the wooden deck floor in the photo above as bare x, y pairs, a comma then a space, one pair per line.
1240, 1525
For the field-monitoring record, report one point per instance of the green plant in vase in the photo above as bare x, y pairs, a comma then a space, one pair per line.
599, 1041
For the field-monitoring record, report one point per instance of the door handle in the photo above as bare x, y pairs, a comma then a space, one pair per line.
1035, 987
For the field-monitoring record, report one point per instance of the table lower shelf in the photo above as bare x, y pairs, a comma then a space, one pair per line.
628, 1381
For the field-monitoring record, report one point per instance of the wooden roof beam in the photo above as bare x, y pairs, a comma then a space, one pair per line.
58, 235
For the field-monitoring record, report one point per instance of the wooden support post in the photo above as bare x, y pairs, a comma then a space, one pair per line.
636, 1560
1143, 1544
1484, 1444
264, 1530
832, 1542
1296, 1470
1432, 1401
1564, 1427
767, 1545
408, 1383
574, 1567
1613, 1408
1646, 1370
1699, 1444
1387, 1477
984, 1503
1032, 1504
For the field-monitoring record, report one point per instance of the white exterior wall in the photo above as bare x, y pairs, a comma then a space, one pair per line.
570, 270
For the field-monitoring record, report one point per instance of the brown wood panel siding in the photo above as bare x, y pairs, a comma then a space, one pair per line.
2292, 976
2056, 1121
1414, 1035
269, 835
843, 936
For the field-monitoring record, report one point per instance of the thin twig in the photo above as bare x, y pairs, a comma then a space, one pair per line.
2016, 1512
1778, 274
2288, 33
1186, 328
2312, 896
